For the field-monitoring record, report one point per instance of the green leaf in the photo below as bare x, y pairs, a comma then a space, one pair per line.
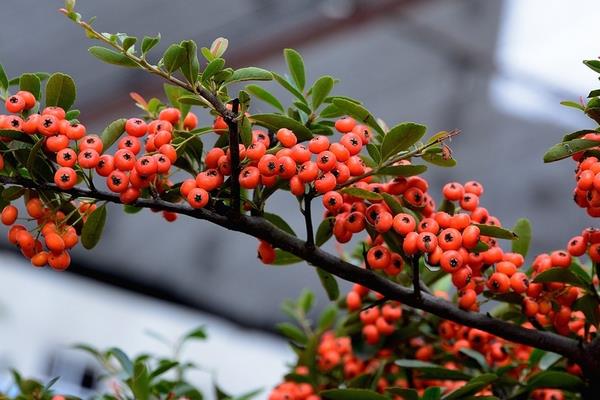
331, 111
60, 91
193, 100
327, 319
306, 300
16, 135
432, 371
212, 68
112, 57
472, 387
393, 203
163, 367
279, 222
374, 153
496, 232
352, 394
593, 64
566, 149
439, 159
320, 90
559, 274
291, 332
361, 193
278, 121
35, 150
475, 355
556, 380
358, 112
285, 258
295, 65
173, 58
3, 79
572, 104
197, 333
149, 42
112, 132
577, 134
406, 394
122, 358
402, 170
31, 83
128, 42
324, 231
288, 86
400, 138
129, 209
265, 96
246, 131
191, 65
522, 229
432, 393
594, 93
250, 74
329, 284
588, 305
12, 193
92, 229
548, 360
140, 382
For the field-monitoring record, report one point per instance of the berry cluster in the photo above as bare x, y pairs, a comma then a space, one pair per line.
587, 175
49, 242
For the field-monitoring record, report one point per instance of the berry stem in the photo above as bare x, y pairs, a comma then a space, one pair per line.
416, 277
234, 145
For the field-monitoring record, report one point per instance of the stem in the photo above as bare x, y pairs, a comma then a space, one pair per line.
234, 150
310, 239
416, 279
258, 227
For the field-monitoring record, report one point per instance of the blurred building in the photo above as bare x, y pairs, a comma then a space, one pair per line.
495, 70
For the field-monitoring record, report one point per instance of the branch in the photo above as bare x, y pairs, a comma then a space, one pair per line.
260, 228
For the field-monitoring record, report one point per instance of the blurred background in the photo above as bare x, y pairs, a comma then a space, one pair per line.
494, 69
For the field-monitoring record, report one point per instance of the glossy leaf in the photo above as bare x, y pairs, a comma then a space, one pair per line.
439, 160
432, 371
559, 274
128, 43
292, 332
404, 393
329, 283
555, 379
149, 42
296, 67
358, 112
191, 65
173, 58
327, 318
3, 79
212, 68
361, 193
31, 83
122, 358
402, 170
432, 393
112, 57
250, 74
588, 305
265, 96
522, 229
496, 231
60, 91
393, 203
285, 258
279, 222
93, 227
593, 65
278, 121
324, 231
320, 90
288, 86
400, 138
112, 132
566, 149
16, 135
572, 104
